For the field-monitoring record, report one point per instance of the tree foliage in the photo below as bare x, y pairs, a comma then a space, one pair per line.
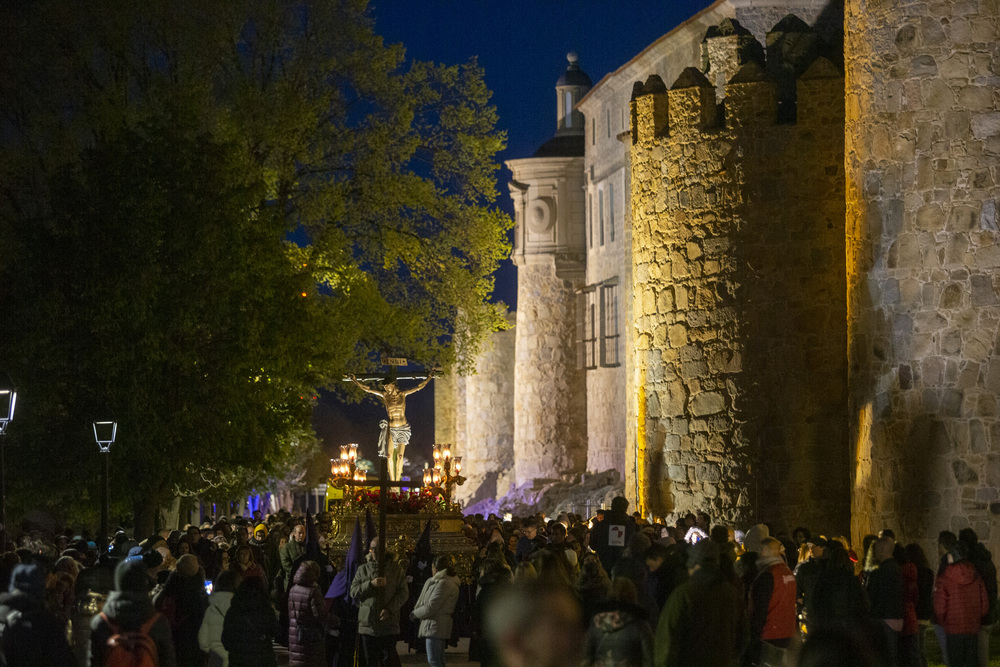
155, 160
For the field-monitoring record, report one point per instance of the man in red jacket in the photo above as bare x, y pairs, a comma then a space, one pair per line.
772, 607
959, 605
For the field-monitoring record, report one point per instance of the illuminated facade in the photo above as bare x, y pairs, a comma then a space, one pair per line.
785, 270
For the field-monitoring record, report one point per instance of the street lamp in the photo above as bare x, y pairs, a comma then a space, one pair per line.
104, 436
8, 399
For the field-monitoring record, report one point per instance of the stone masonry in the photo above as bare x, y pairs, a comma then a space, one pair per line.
489, 422
923, 163
550, 399
738, 297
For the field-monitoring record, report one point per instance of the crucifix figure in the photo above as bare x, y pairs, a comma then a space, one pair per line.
395, 433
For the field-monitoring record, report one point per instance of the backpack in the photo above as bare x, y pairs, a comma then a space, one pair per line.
131, 648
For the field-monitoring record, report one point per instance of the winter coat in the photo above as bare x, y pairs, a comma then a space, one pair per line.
372, 599
183, 602
619, 637
290, 553
307, 621
772, 601
703, 623
32, 636
960, 599
130, 610
436, 604
885, 590
249, 628
210, 634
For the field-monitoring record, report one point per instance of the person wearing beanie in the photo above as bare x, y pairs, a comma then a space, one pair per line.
31, 635
746, 564
703, 622
183, 602
127, 609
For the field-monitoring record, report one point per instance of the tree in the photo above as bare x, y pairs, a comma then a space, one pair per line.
156, 160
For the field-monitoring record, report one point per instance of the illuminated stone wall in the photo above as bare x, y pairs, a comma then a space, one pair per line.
923, 148
550, 395
488, 448
739, 298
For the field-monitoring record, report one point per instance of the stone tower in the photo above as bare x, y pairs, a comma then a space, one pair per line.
738, 292
550, 399
923, 263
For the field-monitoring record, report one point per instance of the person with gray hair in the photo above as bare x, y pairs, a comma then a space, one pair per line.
535, 624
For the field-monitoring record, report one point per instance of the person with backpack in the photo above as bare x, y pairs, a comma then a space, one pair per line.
129, 631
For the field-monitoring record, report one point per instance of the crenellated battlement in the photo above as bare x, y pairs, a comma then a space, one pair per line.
737, 247
794, 84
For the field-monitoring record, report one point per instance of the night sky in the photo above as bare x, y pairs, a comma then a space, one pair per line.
522, 46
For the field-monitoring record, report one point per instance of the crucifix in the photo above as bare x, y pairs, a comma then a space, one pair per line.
394, 436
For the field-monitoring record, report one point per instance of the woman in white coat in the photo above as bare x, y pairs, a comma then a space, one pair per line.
210, 633
434, 608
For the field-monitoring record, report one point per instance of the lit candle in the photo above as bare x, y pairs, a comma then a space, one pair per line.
437, 452
343, 452
353, 451
458, 464
427, 476
446, 453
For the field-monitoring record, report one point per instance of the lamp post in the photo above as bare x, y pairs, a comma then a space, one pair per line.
440, 478
104, 436
8, 399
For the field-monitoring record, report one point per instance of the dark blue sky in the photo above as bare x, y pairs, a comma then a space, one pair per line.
522, 46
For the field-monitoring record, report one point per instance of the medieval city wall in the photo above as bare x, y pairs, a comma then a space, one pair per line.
550, 399
488, 448
923, 140
738, 298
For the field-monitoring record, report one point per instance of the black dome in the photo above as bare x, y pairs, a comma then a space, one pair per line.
574, 76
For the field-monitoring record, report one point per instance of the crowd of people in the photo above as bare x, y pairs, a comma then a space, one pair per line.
608, 590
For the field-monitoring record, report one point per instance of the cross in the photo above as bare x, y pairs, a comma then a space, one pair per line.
384, 482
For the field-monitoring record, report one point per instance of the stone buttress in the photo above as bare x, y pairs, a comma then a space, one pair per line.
739, 293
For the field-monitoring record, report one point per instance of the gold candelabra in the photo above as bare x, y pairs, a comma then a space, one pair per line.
440, 479
344, 472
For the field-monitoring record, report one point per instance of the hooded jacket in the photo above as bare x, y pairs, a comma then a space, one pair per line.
32, 636
960, 599
307, 620
619, 637
129, 607
210, 634
436, 604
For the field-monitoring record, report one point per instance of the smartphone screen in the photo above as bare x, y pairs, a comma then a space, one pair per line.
208, 587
